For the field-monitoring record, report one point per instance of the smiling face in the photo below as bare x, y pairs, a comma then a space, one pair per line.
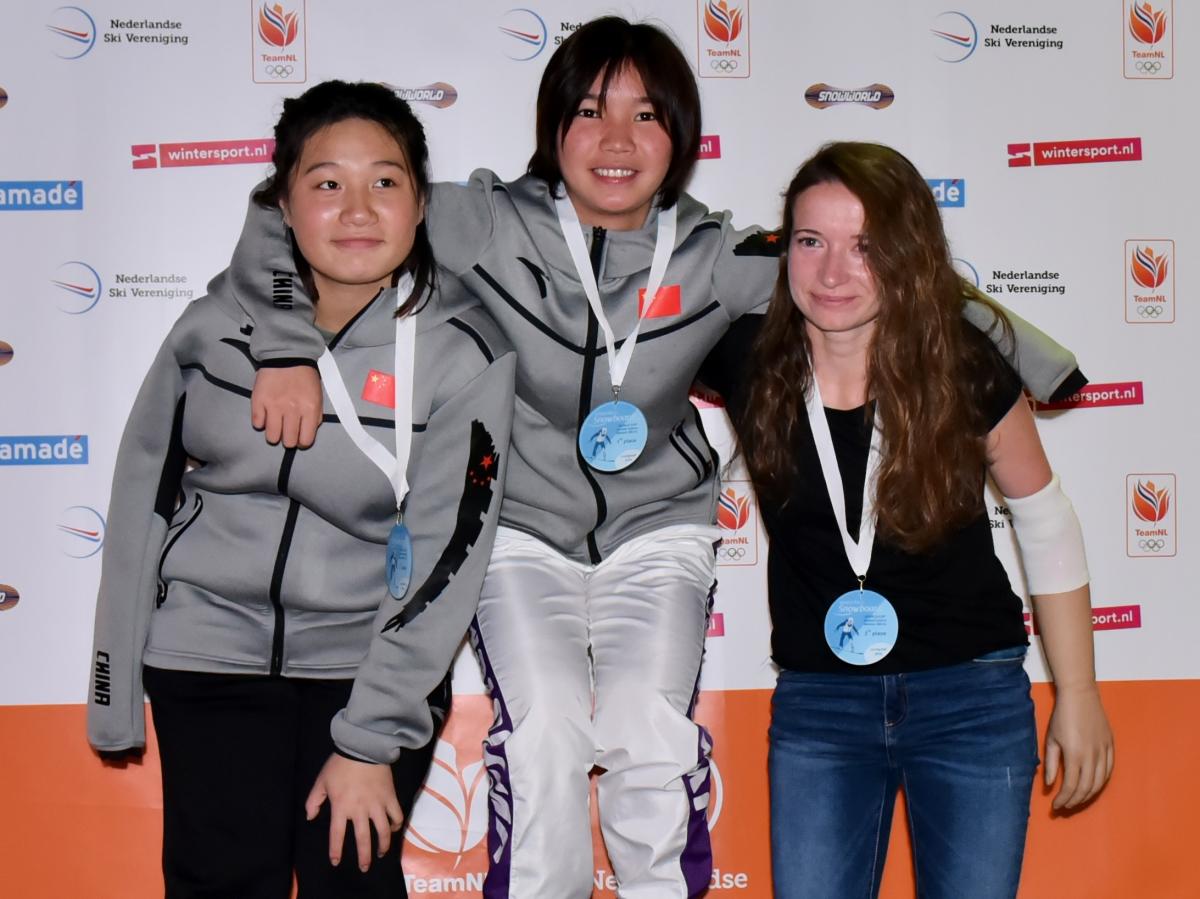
828, 274
614, 161
353, 208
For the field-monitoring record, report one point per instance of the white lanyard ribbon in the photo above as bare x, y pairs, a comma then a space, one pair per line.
858, 554
395, 467
664, 245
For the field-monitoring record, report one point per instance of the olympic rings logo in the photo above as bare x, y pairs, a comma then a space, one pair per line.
724, 65
278, 71
1148, 66
731, 553
1148, 311
1154, 545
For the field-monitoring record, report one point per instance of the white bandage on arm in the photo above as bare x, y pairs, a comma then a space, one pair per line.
1050, 540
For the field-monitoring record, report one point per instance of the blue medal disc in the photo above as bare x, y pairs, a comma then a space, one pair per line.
861, 627
613, 436
399, 561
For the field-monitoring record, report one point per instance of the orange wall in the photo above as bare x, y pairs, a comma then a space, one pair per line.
70, 826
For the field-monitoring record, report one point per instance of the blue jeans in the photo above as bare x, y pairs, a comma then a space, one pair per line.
960, 740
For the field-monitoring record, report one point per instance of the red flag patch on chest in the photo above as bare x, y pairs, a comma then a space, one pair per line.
667, 302
380, 387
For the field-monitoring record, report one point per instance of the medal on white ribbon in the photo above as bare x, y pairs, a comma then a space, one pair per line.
614, 434
395, 466
861, 626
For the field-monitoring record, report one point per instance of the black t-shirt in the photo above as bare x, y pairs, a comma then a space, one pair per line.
954, 603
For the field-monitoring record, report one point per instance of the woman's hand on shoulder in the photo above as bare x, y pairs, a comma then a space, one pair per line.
286, 404
1080, 742
362, 794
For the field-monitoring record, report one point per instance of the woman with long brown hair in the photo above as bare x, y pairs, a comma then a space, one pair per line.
869, 409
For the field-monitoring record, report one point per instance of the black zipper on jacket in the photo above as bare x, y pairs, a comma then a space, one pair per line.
281, 555
585, 399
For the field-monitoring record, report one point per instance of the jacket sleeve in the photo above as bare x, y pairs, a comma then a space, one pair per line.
746, 268
1046, 367
263, 275
150, 463
451, 512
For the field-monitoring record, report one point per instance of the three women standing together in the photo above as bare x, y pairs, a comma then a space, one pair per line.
613, 285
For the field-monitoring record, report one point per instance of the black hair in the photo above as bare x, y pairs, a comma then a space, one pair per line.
327, 104
604, 47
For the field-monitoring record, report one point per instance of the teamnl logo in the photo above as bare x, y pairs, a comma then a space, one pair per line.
56, 449
1150, 515
1074, 152
1149, 281
524, 34
40, 196
1149, 39
278, 42
450, 815
739, 525
71, 31
723, 38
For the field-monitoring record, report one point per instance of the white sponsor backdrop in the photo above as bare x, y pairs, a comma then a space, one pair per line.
92, 93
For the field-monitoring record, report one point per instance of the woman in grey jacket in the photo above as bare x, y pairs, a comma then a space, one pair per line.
293, 615
591, 625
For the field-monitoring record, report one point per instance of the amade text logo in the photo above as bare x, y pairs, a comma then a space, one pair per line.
951, 192
56, 449
439, 95
40, 196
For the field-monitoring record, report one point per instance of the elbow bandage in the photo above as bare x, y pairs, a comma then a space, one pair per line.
1050, 540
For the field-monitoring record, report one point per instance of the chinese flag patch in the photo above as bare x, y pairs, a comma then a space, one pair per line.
380, 388
667, 302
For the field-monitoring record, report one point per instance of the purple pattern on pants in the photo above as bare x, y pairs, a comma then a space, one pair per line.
500, 802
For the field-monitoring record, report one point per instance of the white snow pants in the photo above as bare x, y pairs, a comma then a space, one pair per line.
597, 665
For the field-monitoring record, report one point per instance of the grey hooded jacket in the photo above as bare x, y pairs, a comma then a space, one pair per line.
226, 554
503, 240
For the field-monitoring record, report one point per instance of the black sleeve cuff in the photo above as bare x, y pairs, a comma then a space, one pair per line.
353, 758
288, 362
1071, 385
133, 754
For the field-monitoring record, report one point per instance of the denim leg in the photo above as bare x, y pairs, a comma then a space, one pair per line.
968, 753
832, 786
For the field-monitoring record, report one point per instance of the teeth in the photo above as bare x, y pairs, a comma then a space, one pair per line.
614, 173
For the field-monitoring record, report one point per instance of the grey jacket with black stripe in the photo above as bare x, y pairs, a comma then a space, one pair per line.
226, 554
503, 240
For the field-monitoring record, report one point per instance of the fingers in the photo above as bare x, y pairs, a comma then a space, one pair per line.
383, 830
337, 838
307, 432
258, 412
1053, 755
286, 404
395, 814
316, 798
362, 837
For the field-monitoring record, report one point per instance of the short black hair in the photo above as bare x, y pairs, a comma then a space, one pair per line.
327, 104
604, 47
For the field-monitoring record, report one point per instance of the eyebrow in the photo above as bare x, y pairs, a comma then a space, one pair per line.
596, 97
388, 162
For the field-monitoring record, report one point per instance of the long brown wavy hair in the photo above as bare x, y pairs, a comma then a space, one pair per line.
922, 371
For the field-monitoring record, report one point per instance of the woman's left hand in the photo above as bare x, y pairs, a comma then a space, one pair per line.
361, 793
1080, 741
